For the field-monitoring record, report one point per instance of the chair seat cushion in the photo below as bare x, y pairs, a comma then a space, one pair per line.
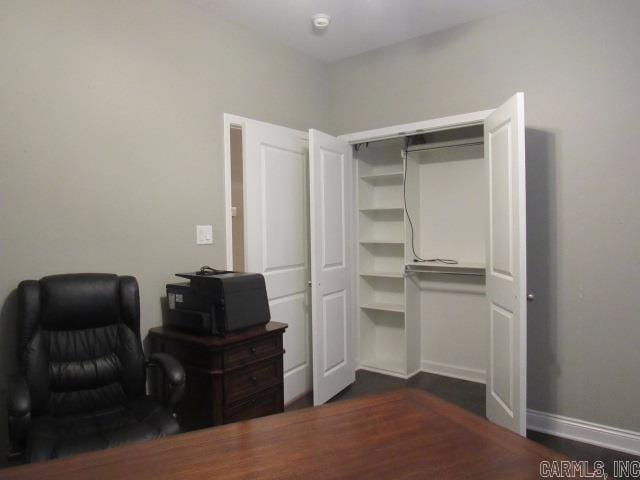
135, 421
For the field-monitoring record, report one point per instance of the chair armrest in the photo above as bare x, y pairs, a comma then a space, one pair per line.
19, 410
174, 377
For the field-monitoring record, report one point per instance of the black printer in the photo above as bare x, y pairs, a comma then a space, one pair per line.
216, 301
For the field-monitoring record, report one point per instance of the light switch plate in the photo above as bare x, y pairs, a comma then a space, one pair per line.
204, 234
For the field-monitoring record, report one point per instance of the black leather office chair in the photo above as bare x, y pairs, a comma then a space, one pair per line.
83, 372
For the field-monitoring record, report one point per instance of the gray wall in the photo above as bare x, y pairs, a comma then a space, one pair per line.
111, 153
111, 138
578, 63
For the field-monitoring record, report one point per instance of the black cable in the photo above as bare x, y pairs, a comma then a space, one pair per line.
404, 194
207, 270
417, 258
446, 261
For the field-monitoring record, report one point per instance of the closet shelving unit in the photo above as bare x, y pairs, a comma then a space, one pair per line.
405, 304
381, 258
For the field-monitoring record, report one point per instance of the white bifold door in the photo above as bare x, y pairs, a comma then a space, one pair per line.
506, 273
331, 198
290, 193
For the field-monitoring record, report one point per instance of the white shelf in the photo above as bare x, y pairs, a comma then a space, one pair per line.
384, 307
464, 268
399, 209
383, 242
382, 274
383, 177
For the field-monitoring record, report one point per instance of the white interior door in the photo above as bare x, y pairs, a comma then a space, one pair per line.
276, 237
506, 397
331, 197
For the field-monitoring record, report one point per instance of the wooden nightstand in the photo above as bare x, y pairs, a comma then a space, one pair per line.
229, 378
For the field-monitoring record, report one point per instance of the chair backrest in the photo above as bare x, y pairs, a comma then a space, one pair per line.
79, 343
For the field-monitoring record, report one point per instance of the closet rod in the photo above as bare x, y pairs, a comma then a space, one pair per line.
435, 146
444, 272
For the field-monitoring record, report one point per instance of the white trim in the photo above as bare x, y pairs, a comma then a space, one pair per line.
588, 432
448, 370
229, 121
382, 371
298, 397
452, 121
444, 369
297, 379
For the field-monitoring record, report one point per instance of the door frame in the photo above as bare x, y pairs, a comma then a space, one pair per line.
433, 125
230, 121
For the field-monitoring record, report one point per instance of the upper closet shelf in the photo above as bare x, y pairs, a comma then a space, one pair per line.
383, 177
466, 142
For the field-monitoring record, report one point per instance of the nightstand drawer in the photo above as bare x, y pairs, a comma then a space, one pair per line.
251, 351
264, 403
244, 382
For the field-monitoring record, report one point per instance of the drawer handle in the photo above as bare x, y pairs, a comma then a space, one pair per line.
253, 350
254, 380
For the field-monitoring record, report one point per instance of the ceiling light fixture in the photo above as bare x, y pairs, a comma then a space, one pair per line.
320, 21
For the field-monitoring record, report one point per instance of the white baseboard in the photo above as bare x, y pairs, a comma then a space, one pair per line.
574, 429
382, 371
297, 383
448, 370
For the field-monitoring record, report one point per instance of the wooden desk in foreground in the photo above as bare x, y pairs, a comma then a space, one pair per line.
401, 434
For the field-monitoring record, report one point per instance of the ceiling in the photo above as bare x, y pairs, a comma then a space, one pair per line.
356, 25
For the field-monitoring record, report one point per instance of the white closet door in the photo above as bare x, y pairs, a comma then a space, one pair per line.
506, 397
276, 237
331, 192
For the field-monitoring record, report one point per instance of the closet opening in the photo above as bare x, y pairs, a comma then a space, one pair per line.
422, 228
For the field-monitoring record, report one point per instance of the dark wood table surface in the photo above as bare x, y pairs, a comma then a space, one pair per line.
396, 435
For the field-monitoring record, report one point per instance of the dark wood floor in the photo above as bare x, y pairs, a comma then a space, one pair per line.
468, 395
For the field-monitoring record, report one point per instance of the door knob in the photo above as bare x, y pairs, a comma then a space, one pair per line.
531, 297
